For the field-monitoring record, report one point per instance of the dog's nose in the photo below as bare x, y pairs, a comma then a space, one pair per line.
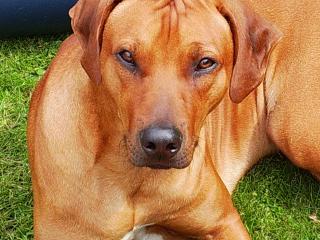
161, 143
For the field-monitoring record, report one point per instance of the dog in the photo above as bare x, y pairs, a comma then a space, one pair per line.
153, 110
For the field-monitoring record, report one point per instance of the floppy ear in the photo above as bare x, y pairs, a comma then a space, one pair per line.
88, 18
254, 39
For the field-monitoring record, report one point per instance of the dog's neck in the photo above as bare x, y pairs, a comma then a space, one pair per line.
235, 130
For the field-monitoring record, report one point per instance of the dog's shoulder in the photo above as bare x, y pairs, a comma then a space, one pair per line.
59, 91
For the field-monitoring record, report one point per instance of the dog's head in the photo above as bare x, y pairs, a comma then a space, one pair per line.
168, 63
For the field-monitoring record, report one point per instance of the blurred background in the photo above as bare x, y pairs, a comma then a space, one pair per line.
34, 17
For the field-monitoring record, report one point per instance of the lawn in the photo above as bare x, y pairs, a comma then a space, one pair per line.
276, 200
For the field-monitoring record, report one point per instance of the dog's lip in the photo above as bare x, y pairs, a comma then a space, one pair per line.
166, 166
158, 166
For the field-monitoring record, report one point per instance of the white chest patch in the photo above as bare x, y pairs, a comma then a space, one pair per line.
139, 233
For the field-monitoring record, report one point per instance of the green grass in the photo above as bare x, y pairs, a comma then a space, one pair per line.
275, 199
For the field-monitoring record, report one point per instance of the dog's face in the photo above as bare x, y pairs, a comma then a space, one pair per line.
167, 70
166, 64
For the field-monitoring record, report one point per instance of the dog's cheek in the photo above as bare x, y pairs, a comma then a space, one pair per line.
115, 84
111, 80
204, 100
216, 92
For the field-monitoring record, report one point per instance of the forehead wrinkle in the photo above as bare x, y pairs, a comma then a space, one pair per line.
181, 10
180, 6
168, 36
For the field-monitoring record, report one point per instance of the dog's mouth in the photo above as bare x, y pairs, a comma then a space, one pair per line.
176, 163
158, 166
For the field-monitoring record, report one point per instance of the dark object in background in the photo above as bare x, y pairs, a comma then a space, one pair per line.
34, 17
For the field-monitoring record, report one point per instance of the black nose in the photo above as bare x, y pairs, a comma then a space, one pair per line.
161, 143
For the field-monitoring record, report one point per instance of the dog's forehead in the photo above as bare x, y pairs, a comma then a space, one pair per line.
167, 21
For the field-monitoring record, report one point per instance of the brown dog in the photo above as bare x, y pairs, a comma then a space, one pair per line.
143, 130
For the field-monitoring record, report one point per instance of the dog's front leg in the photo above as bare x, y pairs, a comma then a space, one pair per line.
228, 231
212, 214
226, 228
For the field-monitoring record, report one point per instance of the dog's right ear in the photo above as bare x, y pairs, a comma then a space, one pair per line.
88, 18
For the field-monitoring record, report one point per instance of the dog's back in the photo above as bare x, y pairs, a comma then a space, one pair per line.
293, 94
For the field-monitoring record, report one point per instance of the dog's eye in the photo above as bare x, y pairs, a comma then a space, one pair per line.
127, 57
206, 64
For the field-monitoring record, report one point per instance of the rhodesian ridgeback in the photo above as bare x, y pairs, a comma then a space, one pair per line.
153, 110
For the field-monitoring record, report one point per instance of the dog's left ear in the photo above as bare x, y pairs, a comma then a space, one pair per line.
254, 39
88, 18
